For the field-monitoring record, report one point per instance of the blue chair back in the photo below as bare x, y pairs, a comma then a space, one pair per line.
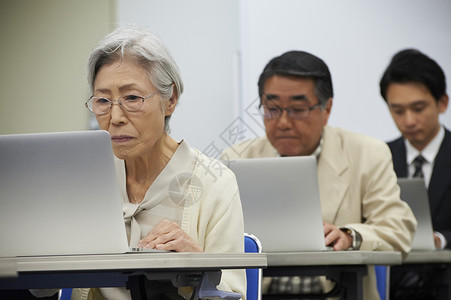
253, 276
381, 280
65, 294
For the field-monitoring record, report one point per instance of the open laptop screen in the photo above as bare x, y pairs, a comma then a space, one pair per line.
281, 203
59, 195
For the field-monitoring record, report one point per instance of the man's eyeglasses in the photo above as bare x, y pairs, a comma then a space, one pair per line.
102, 105
271, 111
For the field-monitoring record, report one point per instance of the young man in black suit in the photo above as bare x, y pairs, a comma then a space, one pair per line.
414, 88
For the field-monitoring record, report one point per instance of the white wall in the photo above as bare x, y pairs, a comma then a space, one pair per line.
222, 46
47, 42
203, 38
356, 39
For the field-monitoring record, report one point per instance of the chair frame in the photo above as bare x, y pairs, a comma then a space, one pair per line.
249, 272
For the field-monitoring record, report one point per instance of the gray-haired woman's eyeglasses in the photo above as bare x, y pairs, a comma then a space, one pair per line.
102, 105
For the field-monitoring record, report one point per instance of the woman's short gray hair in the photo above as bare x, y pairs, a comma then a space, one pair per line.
148, 50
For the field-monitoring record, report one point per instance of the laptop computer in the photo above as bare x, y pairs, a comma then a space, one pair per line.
414, 192
281, 204
59, 195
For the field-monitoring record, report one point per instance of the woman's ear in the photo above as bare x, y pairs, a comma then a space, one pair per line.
172, 102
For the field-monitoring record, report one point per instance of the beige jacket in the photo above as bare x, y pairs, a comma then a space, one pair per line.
358, 189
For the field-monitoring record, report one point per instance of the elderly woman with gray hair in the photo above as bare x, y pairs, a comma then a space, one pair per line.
174, 197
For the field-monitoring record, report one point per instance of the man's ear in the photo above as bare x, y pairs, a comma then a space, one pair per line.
327, 110
443, 103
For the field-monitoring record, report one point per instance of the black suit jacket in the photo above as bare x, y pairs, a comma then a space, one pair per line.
440, 185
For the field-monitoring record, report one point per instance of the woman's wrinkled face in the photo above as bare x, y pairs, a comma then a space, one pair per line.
132, 133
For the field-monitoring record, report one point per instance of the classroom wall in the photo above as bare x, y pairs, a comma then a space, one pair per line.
221, 47
356, 39
203, 37
44, 48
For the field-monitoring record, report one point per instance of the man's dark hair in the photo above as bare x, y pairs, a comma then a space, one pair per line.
410, 65
300, 64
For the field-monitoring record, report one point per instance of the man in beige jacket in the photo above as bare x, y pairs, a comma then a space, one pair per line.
360, 198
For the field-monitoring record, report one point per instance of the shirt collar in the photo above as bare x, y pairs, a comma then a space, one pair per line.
318, 149
429, 152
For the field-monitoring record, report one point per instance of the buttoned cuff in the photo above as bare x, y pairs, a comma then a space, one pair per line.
442, 238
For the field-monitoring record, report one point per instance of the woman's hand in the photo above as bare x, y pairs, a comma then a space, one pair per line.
168, 235
334, 237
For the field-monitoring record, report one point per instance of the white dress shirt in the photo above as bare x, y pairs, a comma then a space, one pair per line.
429, 153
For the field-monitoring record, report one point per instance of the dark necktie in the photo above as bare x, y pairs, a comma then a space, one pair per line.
418, 163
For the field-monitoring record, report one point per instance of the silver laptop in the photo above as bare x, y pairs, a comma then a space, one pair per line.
414, 192
59, 195
281, 204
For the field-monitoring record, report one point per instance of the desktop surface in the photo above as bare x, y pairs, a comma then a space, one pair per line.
139, 261
334, 258
113, 270
428, 256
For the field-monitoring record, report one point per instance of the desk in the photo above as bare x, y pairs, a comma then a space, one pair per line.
436, 262
7, 268
346, 268
428, 256
121, 269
